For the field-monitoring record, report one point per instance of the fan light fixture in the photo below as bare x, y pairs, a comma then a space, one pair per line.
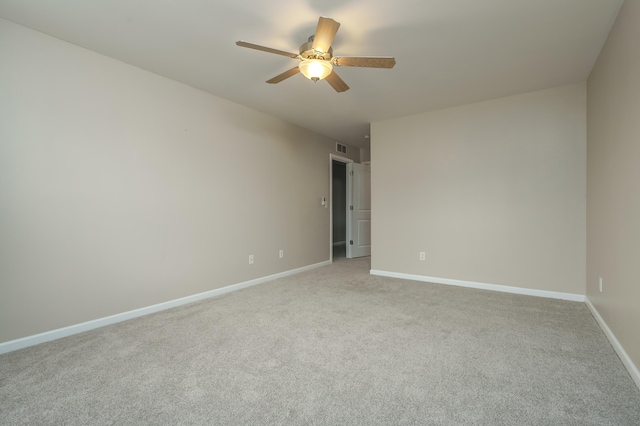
315, 69
317, 60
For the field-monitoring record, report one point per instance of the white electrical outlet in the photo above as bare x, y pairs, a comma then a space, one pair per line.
281, 254
250, 259
600, 283
422, 256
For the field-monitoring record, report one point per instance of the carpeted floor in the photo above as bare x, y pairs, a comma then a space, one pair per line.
331, 346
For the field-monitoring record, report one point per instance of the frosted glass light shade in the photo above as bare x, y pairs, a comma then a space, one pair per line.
315, 69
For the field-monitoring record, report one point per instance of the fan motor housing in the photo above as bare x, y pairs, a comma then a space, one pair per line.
307, 51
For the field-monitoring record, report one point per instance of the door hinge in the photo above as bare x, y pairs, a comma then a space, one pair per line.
350, 242
350, 207
351, 173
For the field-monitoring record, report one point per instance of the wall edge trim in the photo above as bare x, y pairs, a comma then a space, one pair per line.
622, 354
47, 336
483, 286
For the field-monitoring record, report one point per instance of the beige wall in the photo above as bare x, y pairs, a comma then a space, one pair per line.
613, 199
120, 189
365, 154
493, 192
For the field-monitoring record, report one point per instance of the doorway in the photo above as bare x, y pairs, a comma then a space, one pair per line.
339, 209
338, 214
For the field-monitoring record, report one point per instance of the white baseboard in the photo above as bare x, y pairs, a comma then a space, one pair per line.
24, 342
624, 357
483, 286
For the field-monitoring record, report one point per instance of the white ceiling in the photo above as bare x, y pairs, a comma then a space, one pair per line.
448, 52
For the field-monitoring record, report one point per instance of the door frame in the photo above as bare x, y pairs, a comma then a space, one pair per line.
332, 158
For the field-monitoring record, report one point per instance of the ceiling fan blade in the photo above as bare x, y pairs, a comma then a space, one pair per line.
336, 82
325, 32
278, 78
364, 61
266, 49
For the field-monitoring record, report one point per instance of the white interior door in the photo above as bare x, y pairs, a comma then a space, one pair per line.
359, 213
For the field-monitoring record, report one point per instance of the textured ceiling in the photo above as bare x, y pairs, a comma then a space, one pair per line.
448, 52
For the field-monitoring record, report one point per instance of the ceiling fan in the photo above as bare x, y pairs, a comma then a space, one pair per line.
317, 60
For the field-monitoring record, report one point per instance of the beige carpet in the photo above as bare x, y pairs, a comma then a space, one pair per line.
331, 346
